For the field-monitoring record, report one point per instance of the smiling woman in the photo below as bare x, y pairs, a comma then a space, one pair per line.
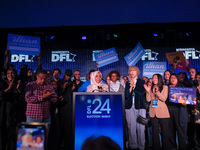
96, 83
10, 95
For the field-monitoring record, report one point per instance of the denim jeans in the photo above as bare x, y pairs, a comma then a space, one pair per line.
47, 120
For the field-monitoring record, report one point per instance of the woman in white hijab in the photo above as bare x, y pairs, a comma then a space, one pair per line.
96, 83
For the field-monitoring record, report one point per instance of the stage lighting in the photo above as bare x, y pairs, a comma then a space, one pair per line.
187, 34
155, 34
84, 37
115, 35
51, 37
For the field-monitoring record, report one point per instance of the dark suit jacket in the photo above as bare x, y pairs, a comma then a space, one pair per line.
139, 95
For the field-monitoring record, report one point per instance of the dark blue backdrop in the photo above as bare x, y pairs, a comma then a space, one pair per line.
82, 59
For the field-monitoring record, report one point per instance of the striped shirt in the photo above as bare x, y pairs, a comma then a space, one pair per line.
37, 107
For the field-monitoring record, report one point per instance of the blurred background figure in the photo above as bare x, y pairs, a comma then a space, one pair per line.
100, 143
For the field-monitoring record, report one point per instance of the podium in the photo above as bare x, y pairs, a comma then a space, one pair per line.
98, 114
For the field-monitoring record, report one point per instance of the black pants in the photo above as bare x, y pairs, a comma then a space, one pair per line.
193, 136
164, 124
174, 126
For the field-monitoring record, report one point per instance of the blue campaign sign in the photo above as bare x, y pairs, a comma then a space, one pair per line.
150, 68
98, 114
134, 56
106, 57
20, 44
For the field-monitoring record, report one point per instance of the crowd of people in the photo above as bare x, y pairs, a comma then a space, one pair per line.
44, 97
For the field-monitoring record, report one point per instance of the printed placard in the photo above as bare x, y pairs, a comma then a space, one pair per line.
20, 44
175, 57
183, 94
106, 57
134, 56
150, 68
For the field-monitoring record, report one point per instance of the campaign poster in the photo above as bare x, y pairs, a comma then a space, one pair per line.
98, 114
106, 57
175, 57
150, 68
20, 44
134, 56
183, 95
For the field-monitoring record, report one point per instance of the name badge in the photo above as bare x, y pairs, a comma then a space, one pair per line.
155, 103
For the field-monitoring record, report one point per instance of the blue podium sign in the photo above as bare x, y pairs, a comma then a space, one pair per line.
98, 114
20, 44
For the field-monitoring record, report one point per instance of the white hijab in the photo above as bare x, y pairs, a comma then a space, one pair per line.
93, 82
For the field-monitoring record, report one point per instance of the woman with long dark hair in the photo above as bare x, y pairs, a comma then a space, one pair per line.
157, 94
178, 118
167, 74
10, 95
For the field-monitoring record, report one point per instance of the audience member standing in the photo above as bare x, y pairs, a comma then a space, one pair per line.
65, 110
39, 95
178, 119
192, 73
115, 85
56, 76
157, 94
194, 111
77, 82
167, 74
10, 95
135, 106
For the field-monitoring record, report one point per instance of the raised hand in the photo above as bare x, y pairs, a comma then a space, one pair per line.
7, 53
147, 88
61, 98
18, 86
73, 88
11, 84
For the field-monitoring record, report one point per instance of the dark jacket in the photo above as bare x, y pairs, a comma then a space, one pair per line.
139, 95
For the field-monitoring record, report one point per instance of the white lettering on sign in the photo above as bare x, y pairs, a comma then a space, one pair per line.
150, 55
94, 52
189, 53
21, 39
22, 58
62, 56
153, 66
